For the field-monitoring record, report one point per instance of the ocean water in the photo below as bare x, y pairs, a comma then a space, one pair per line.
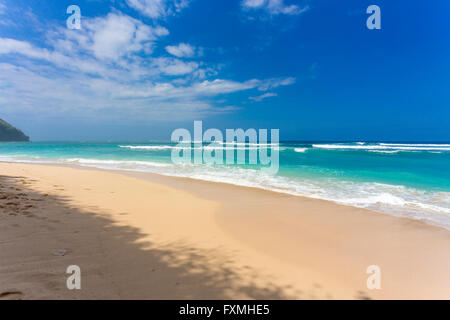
403, 179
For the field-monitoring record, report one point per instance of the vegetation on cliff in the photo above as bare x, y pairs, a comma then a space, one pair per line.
10, 134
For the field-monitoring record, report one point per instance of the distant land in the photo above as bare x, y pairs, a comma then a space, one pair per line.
10, 134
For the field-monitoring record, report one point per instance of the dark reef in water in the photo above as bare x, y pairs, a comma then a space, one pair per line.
10, 134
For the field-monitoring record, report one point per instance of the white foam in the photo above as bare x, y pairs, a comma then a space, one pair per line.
414, 145
380, 147
300, 149
209, 146
147, 147
385, 151
382, 198
431, 207
116, 162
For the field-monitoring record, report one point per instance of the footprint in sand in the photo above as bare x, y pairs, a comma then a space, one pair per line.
10, 294
362, 296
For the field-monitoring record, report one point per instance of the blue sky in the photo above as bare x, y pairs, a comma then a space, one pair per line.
140, 68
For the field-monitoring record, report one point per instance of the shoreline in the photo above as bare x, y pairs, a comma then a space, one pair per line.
208, 240
153, 176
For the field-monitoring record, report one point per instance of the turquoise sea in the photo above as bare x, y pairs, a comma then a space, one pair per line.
403, 179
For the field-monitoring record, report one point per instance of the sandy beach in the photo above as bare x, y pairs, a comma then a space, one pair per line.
145, 236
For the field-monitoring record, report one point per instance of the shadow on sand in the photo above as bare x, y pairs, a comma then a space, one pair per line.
41, 235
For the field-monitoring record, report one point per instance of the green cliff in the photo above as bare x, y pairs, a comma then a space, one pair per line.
10, 134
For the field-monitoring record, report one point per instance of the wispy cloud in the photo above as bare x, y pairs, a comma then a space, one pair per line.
181, 50
158, 8
109, 69
175, 67
275, 83
263, 96
273, 7
4, 20
57, 94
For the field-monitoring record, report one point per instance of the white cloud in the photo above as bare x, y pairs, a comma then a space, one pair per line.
25, 91
263, 96
254, 3
175, 67
109, 69
273, 7
38, 93
274, 83
114, 36
117, 35
165, 90
158, 8
220, 86
150, 8
87, 65
181, 50
181, 4
14, 46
